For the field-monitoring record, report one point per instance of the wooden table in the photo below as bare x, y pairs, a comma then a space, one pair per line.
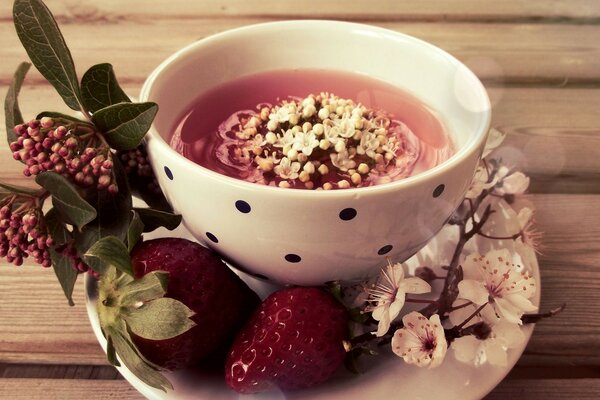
540, 61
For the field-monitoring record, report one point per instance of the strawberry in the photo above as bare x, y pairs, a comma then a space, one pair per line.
199, 279
293, 340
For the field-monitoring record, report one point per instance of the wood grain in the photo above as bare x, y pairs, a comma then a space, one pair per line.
507, 10
547, 389
38, 327
499, 53
67, 389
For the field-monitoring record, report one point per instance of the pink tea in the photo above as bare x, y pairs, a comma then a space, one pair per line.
312, 129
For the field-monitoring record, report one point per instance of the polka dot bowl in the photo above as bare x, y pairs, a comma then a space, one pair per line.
306, 236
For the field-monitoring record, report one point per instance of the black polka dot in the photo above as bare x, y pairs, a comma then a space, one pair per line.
212, 237
293, 258
385, 249
437, 192
347, 214
242, 206
168, 173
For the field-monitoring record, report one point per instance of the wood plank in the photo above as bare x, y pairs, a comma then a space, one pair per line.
38, 327
501, 53
94, 10
67, 389
540, 122
547, 389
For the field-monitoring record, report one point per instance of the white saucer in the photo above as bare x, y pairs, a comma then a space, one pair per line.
385, 376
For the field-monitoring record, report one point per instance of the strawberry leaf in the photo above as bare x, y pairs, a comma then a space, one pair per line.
125, 124
72, 208
66, 274
46, 47
134, 233
159, 319
12, 112
100, 89
154, 219
135, 362
149, 287
111, 353
106, 252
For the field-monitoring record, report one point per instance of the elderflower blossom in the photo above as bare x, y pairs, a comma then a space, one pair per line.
388, 294
305, 142
287, 169
421, 341
496, 279
342, 160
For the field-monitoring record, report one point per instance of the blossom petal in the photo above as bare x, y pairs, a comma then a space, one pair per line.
508, 311
495, 353
521, 302
466, 349
397, 304
415, 285
474, 291
439, 353
495, 139
516, 183
384, 324
471, 266
510, 335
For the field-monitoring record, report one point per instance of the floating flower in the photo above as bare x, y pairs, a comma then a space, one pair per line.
368, 144
305, 142
480, 182
511, 183
496, 279
342, 160
421, 341
287, 169
346, 127
281, 114
287, 139
491, 349
388, 294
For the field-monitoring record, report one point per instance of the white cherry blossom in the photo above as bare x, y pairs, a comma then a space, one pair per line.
421, 341
511, 183
497, 279
495, 139
480, 182
388, 295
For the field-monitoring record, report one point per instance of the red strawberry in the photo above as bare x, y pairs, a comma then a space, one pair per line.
198, 278
293, 340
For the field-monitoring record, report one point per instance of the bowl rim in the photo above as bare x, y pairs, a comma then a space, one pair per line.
472, 144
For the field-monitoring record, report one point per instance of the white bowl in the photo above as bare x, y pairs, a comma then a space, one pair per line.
297, 236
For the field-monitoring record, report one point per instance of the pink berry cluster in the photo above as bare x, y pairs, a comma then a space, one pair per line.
70, 252
137, 165
22, 235
48, 145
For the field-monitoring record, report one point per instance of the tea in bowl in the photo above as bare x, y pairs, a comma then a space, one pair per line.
309, 151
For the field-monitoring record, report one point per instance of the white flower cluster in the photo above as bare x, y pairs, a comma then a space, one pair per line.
301, 141
495, 292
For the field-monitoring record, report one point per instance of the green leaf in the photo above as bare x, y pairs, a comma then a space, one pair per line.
135, 362
134, 233
153, 219
46, 47
160, 319
70, 205
111, 353
56, 228
113, 210
58, 116
125, 124
109, 251
149, 287
66, 274
12, 113
100, 89
19, 189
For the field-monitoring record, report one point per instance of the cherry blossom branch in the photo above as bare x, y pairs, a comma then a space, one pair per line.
533, 318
